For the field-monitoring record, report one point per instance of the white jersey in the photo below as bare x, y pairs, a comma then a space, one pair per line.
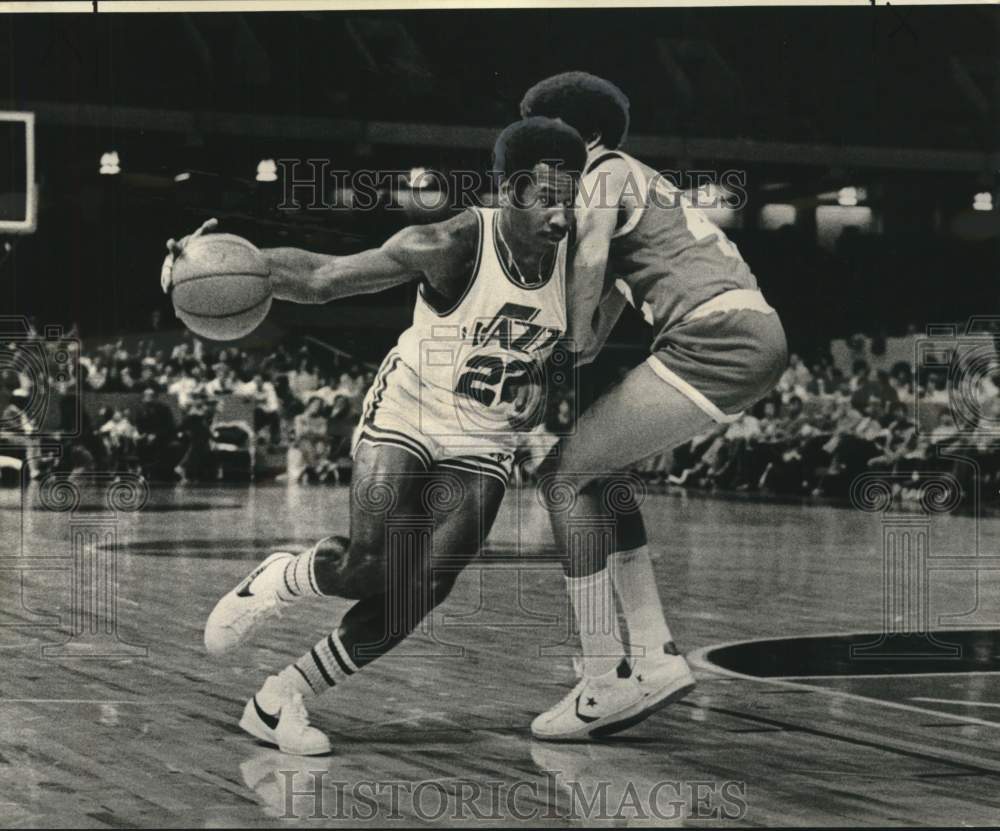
498, 335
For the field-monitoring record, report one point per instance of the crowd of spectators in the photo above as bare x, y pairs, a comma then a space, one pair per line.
821, 428
166, 410
177, 409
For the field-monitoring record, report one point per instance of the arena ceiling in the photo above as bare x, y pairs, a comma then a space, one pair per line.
873, 76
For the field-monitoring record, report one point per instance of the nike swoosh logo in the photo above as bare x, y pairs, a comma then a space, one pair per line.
581, 716
244, 589
267, 718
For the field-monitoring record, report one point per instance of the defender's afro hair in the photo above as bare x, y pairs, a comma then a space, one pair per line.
590, 104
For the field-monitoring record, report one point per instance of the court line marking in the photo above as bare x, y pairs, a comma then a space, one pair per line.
64, 701
699, 659
889, 674
955, 701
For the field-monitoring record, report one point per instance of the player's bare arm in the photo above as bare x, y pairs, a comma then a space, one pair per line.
306, 277
440, 253
588, 284
435, 253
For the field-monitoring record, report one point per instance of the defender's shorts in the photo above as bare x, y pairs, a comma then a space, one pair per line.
725, 355
402, 411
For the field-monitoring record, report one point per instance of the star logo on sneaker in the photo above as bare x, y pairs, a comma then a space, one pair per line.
581, 716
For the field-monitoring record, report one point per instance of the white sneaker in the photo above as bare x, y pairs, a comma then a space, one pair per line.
245, 607
663, 678
595, 707
289, 728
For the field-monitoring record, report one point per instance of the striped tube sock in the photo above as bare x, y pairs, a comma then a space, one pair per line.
325, 665
299, 577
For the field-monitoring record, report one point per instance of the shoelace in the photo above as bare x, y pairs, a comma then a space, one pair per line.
271, 608
295, 712
572, 694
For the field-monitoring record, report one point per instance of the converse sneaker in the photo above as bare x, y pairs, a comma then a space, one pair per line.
663, 677
595, 707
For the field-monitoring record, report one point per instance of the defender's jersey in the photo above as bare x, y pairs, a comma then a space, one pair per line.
499, 334
668, 258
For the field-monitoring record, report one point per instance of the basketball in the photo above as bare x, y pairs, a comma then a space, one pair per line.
221, 287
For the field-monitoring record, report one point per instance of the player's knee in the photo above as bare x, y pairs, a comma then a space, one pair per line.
331, 552
328, 564
349, 568
367, 574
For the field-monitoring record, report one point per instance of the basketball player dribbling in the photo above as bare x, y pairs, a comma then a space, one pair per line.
717, 348
435, 439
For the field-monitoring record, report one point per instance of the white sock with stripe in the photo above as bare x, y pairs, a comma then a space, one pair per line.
324, 666
296, 577
635, 584
597, 619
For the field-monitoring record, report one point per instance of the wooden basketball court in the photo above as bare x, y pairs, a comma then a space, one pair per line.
111, 713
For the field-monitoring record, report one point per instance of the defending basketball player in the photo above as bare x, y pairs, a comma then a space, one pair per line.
717, 348
435, 444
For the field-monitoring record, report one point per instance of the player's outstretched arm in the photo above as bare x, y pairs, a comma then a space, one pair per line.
304, 277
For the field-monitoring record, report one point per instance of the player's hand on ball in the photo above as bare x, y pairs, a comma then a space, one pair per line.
175, 249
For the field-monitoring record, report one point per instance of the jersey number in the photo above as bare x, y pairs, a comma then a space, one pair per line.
700, 227
483, 375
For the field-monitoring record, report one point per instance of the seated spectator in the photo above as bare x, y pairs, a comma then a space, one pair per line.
859, 437
795, 378
147, 379
223, 381
267, 407
350, 386
311, 440
17, 433
861, 382
157, 437
198, 463
330, 392
188, 386
97, 374
711, 457
303, 381
245, 386
886, 391
936, 391
289, 405
120, 437
899, 432
167, 376
752, 444
901, 381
